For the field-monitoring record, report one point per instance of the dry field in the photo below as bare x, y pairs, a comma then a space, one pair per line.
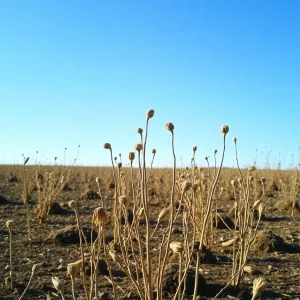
143, 233
279, 266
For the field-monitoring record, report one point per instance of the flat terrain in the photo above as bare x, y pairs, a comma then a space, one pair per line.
280, 267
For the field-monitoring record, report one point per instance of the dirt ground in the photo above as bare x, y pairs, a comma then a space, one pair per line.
280, 268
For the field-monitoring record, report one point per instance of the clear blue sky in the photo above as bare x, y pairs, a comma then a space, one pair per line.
85, 72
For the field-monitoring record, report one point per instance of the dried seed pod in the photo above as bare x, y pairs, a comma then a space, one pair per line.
232, 182
139, 130
250, 178
98, 180
35, 269
225, 129
99, 216
169, 126
72, 204
58, 285
107, 146
215, 151
177, 247
251, 168
131, 156
119, 165
248, 269
259, 285
234, 139
73, 270
263, 180
150, 113
9, 224
194, 148
153, 151
138, 147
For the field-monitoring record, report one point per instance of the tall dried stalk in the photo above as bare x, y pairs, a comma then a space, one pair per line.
26, 196
224, 130
9, 225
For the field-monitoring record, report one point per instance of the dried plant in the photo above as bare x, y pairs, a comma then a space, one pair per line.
26, 196
259, 284
35, 269
9, 225
73, 205
49, 186
59, 286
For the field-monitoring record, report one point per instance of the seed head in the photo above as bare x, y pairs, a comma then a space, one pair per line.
206, 158
107, 146
150, 113
194, 149
233, 182
98, 180
177, 247
99, 216
153, 151
131, 156
58, 285
169, 126
263, 180
35, 269
251, 168
225, 129
240, 180
250, 178
138, 147
9, 224
234, 139
139, 130
73, 270
259, 285
72, 204
119, 165
215, 151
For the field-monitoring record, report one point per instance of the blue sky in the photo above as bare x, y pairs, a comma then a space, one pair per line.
85, 72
